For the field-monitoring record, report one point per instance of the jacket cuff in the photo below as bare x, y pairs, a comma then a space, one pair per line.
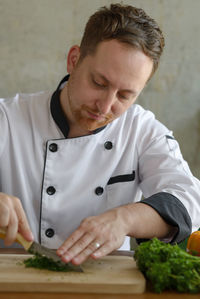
171, 209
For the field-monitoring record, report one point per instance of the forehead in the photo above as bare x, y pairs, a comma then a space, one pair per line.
120, 63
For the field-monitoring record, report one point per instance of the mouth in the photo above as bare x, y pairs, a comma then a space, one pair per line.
96, 117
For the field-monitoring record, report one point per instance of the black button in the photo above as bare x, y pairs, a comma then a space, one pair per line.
53, 147
51, 190
99, 190
49, 232
108, 145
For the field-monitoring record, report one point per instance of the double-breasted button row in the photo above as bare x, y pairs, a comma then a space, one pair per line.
53, 147
99, 190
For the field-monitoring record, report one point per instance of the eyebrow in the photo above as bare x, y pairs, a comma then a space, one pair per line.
133, 92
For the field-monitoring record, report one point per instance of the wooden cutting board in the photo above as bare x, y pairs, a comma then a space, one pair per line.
111, 274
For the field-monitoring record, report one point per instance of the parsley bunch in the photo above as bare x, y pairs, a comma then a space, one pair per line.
168, 267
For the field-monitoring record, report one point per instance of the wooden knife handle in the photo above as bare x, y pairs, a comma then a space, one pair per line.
19, 238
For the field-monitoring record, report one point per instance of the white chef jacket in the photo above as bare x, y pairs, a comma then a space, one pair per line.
60, 180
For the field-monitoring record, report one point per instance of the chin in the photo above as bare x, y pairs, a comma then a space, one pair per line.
92, 125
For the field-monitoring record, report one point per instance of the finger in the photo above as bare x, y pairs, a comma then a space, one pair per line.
86, 253
73, 238
11, 231
78, 247
103, 250
23, 225
24, 230
4, 215
5, 209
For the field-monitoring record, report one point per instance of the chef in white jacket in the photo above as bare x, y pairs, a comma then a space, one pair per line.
75, 163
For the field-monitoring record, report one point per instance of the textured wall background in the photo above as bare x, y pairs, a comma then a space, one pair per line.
35, 36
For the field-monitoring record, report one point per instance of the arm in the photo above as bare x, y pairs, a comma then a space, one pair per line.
166, 181
109, 230
144, 222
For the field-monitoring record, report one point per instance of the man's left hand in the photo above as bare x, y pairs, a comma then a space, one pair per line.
96, 237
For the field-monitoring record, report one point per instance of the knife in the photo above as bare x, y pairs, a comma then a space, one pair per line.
35, 248
122, 253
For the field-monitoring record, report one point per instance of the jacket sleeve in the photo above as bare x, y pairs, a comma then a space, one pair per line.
3, 128
166, 181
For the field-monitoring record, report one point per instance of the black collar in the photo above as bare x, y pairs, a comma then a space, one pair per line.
58, 114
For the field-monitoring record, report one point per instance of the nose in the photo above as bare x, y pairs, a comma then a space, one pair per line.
105, 103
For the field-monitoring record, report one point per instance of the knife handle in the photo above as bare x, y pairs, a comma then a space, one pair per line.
19, 238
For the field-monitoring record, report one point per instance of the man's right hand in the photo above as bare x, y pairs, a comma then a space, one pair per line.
13, 218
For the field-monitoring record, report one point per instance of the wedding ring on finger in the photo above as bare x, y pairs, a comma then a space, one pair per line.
97, 245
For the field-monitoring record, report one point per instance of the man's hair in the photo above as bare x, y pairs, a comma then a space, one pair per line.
127, 24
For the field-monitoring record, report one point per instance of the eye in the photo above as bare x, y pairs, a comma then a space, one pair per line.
98, 84
123, 97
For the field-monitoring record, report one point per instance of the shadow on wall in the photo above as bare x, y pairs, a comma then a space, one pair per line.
196, 157
189, 134
198, 142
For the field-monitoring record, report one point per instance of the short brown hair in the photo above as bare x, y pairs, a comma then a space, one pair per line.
127, 24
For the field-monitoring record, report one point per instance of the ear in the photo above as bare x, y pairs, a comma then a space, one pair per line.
72, 58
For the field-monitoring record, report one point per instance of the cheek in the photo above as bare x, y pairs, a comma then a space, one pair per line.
78, 92
84, 92
119, 108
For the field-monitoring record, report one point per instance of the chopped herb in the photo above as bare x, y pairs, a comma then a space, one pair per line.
43, 262
169, 267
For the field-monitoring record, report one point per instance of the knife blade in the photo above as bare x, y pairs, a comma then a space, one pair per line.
36, 248
122, 253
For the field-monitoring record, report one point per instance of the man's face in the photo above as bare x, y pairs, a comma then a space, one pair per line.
104, 85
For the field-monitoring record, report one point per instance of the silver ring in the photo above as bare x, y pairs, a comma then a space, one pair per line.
97, 245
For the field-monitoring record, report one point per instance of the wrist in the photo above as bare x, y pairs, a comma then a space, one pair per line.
127, 219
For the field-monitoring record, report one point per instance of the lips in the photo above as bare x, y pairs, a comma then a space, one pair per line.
94, 116
91, 119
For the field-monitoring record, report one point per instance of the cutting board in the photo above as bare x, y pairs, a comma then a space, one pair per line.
111, 274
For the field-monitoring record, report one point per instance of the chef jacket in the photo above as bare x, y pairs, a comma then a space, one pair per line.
60, 180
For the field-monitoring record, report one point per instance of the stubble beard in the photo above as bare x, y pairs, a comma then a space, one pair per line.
87, 123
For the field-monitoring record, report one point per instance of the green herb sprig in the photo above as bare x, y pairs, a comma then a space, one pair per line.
167, 266
43, 262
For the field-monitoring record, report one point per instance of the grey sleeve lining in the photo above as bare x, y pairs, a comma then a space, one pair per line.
171, 209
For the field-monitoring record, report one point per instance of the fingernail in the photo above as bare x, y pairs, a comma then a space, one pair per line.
76, 260
31, 236
95, 255
28, 235
60, 251
66, 258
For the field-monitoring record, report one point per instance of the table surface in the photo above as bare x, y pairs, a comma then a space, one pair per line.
146, 295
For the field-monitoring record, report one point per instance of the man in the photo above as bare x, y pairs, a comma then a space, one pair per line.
75, 164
